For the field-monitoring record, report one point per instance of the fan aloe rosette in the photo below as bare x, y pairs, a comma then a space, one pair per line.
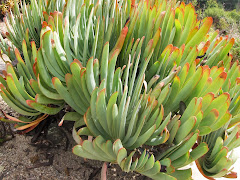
209, 82
201, 117
67, 42
127, 88
96, 31
139, 116
19, 88
226, 138
20, 85
24, 23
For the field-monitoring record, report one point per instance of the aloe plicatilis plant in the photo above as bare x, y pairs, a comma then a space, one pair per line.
145, 79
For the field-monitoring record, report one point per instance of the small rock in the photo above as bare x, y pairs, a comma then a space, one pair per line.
1, 169
2, 66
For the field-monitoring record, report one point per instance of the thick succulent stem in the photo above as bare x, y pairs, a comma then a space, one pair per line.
104, 171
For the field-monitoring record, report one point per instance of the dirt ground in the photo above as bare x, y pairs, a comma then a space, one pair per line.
20, 160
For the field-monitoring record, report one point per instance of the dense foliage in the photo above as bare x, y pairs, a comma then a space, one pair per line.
144, 79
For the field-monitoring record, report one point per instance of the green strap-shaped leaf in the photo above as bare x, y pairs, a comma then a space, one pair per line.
65, 94
184, 148
14, 105
144, 137
90, 80
74, 93
101, 109
182, 174
111, 102
181, 160
41, 99
185, 129
47, 91
110, 73
43, 108
198, 37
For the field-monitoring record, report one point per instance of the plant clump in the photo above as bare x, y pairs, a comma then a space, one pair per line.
144, 80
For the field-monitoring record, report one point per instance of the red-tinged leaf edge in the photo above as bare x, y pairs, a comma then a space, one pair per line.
78, 62
35, 67
14, 119
223, 75
18, 56
121, 39
29, 102
4, 72
29, 129
232, 175
44, 24
33, 123
201, 171
45, 14
238, 80
102, 91
67, 77
54, 79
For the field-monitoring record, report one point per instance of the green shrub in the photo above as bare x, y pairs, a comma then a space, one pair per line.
5, 7
236, 50
222, 20
229, 4
234, 15
211, 4
228, 22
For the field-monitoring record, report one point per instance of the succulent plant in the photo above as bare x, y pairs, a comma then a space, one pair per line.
19, 88
24, 23
144, 79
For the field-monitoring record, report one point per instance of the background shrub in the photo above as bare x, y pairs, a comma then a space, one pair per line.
226, 18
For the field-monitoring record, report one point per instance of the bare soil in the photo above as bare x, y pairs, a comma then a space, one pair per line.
21, 160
